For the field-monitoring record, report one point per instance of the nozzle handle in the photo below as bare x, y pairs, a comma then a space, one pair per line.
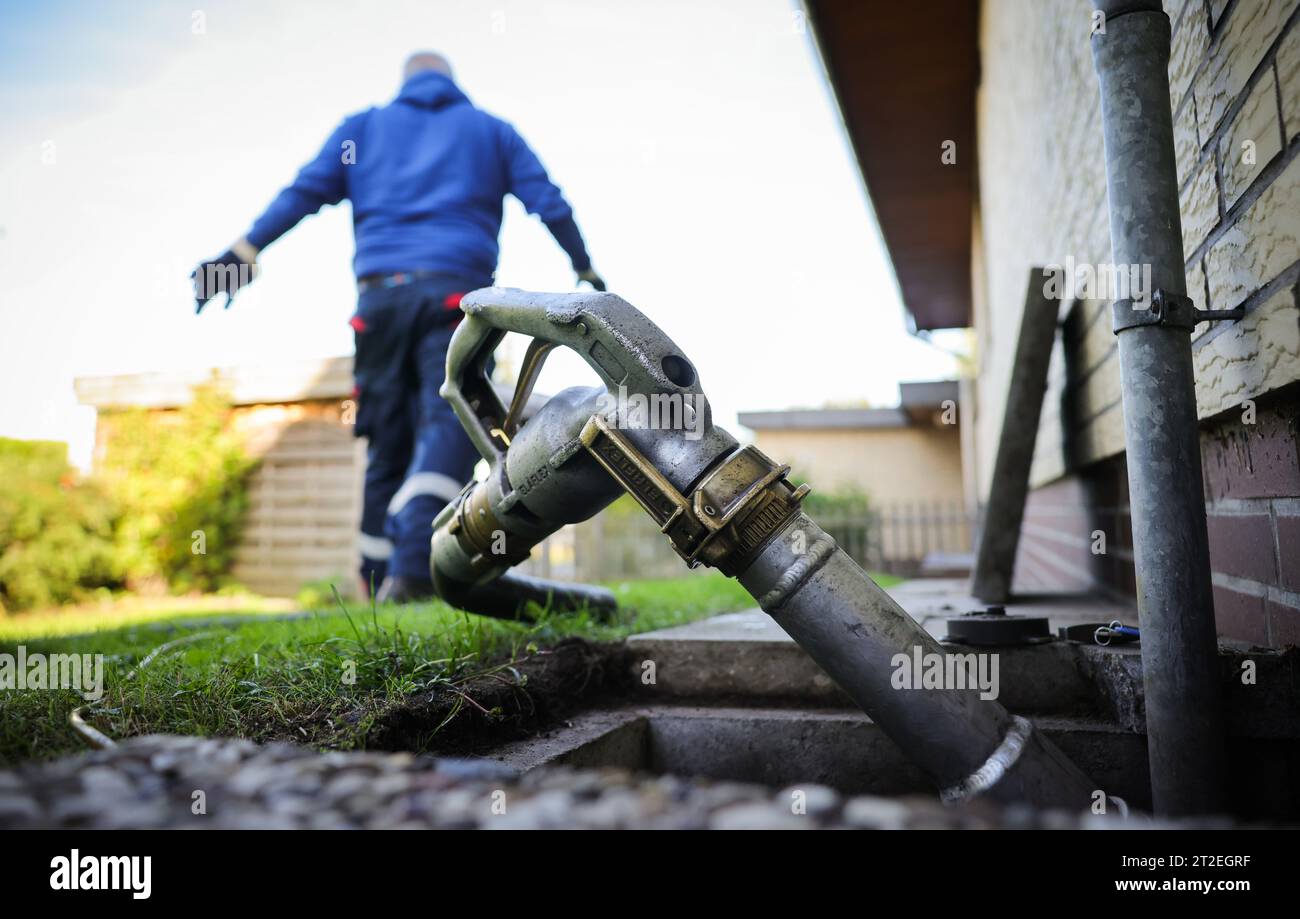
617, 341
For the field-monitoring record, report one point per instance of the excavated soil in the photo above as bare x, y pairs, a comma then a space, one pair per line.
534, 695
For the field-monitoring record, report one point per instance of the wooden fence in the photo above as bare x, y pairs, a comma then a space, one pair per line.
304, 501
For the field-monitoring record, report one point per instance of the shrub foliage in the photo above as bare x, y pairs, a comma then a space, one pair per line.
165, 507
56, 532
179, 482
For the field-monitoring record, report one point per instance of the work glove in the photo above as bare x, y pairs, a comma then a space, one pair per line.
590, 276
225, 274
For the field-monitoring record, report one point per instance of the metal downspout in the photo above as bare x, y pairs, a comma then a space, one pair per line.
1184, 702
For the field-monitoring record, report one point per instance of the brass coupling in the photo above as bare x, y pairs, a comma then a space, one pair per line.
728, 519
480, 535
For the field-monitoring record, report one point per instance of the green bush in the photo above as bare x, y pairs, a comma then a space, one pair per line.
842, 500
56, 531
179, 482
165, 508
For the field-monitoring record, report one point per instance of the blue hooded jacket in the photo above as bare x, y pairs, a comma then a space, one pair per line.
426, 175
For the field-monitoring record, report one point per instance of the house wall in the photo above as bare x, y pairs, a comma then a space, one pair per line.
891, 465
1235, 95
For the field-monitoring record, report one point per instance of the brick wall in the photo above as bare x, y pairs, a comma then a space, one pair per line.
1252, 480
1235, 95
1077, 535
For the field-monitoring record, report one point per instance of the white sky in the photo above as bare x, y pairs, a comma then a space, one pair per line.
697, 142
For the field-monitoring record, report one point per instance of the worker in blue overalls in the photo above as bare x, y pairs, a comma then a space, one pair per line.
426, 175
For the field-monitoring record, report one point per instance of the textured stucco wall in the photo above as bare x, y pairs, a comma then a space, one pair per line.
1235, 93
919, 464
1235, 96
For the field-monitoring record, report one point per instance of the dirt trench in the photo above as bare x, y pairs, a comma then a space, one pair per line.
535, 694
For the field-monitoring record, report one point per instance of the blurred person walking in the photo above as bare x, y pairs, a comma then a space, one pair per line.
427, 175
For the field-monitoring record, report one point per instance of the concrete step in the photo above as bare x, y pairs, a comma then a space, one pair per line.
733, 698
746, 657
845, 750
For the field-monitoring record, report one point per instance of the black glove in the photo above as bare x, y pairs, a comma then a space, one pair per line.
590, 276
225, 274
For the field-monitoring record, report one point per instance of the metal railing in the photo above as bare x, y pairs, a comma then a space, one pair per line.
894, 538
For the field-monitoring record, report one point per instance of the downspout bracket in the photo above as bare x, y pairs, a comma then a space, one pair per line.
1165, 309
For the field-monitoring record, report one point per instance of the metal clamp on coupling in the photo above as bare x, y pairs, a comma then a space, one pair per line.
1166, 309
733, 513
480, 534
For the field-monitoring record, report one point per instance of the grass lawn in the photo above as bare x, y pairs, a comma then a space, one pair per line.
55, 622
245, 673
317, 677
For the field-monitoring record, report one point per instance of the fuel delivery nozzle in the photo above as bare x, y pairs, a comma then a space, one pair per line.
717, 502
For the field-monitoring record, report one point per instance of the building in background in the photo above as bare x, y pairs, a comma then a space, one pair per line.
981, 147
907, 454
903, 465
305, 492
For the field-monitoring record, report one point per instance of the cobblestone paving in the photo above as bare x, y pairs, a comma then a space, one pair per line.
166, 781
